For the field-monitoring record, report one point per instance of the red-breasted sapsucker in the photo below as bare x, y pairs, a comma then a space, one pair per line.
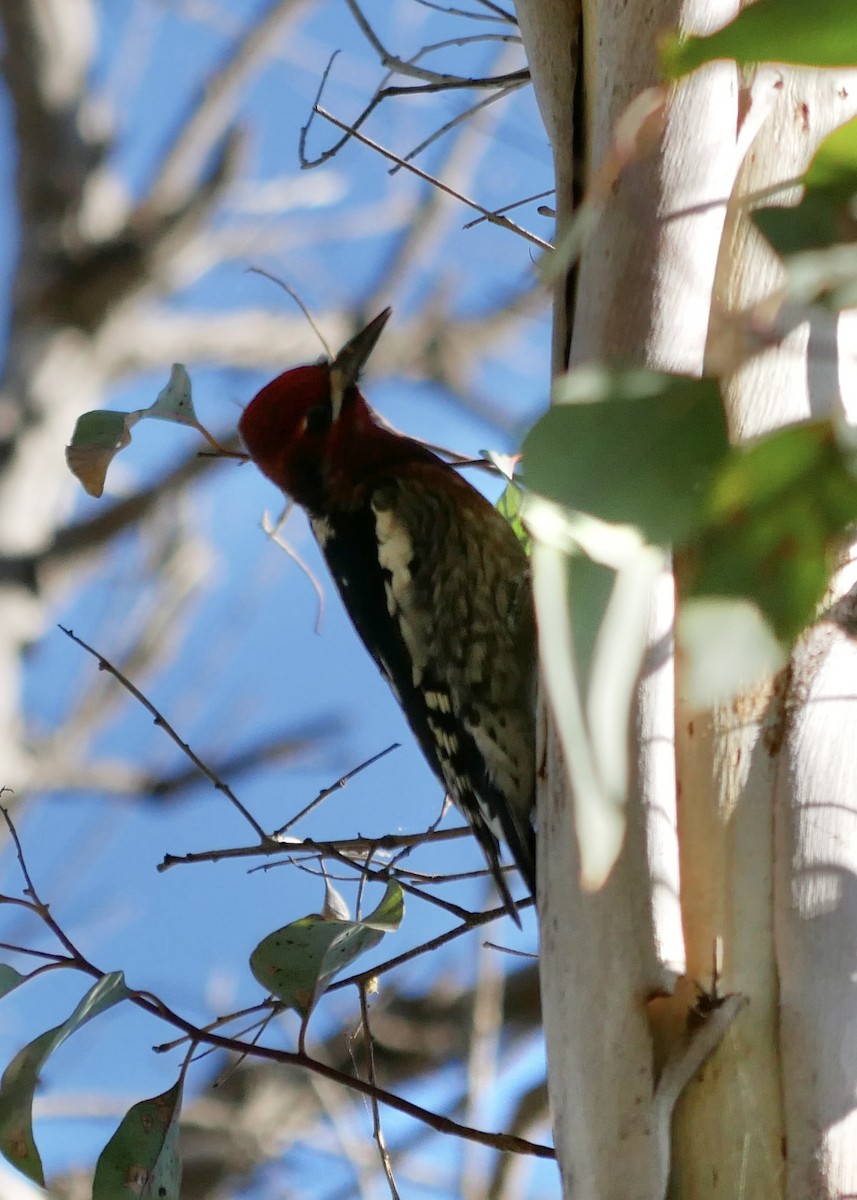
433, 578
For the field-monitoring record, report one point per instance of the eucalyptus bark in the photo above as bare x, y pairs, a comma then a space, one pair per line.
764, 825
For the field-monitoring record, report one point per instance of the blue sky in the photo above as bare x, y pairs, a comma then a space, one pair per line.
243, 657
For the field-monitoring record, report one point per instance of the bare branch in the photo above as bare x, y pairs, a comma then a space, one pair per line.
334, 787
467, 113
504, 222
504, 83
494, 13
220, 786
438, 79
153, 1005
347, 847
47, 54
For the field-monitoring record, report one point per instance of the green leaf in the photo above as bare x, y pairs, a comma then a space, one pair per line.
631, 447
824, 217
99, 435
819, 220
296, 963
834, 164
97, 439
822, 33
777, 514
634, 457
510, 505
511, 501
141, 1159
18, 1084
10, 979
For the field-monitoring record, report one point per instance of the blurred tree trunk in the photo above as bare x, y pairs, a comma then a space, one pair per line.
91, 270
764, 827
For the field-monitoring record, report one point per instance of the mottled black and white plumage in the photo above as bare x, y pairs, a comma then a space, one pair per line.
434, 580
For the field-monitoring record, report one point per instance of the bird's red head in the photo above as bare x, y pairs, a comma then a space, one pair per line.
309, 419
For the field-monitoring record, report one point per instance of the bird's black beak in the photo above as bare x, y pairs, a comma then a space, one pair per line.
352, 358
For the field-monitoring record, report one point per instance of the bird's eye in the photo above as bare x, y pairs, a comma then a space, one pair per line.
317, 419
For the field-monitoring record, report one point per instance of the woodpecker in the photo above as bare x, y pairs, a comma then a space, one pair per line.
433, 578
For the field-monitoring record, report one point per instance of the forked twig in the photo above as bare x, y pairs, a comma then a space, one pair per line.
154, 1006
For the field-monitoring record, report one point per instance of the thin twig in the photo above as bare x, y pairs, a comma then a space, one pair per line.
383, 875
503, 222
52, 960
264, 1007
377, 1131
160, 720
472, 922
436, 1121
392, 62
272, 532
334, 787
505, 83
497, 15
429, 834
36, 904
347, 846
499, 212
528, 954
458, 120
299, 302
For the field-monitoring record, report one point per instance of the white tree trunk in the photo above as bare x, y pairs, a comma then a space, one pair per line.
765, 820
765, 803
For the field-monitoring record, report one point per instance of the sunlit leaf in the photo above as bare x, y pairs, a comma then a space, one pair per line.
174, 401
20, 1078
631, 447
297, 962
640, 451
335, 907
599, 820
593, 587
97, 439
506, 464
727, 646
141, 1159
822, 34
